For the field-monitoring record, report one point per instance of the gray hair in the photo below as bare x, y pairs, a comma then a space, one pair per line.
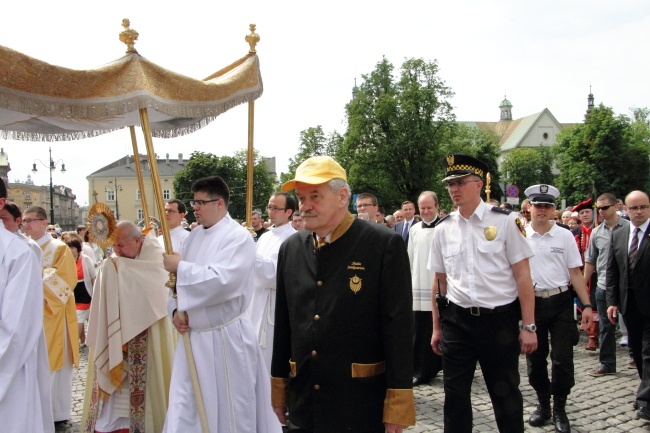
337, 184
130, 229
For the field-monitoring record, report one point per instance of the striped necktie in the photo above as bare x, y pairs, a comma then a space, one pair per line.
634, 247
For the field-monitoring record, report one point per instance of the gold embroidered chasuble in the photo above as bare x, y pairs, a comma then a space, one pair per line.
59, 313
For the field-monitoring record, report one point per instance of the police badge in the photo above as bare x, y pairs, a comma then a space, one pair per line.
490, 233
520, 226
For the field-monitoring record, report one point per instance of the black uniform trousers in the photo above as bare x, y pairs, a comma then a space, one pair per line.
638, 331
426, 364
554, 316
492, 339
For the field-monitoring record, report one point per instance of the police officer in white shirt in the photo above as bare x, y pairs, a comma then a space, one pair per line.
480, 259
555, 265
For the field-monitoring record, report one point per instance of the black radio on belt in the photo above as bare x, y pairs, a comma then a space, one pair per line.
442, 302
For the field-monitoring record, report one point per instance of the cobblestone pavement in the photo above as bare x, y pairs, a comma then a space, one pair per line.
596, 404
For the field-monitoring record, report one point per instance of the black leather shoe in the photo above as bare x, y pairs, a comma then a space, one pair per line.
561, 421
418, 381
540, 416
643, 413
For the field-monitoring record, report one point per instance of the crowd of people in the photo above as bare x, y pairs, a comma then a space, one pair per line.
318, 319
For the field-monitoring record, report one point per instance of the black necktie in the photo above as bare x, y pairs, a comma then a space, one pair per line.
405, 232
634, 247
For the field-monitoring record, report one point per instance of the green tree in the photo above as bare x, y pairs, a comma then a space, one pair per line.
526, 166
604, 154
233, 170
396, 128
482, 145
313, 142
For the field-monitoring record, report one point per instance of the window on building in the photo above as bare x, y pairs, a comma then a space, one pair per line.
28, 196
110, 195
140, 214
137, 195
167, 195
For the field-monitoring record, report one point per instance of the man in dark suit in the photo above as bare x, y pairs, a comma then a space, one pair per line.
342, 354
403, 227
628, 289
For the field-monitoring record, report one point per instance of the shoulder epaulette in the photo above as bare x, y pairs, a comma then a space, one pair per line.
499, 210
441, 220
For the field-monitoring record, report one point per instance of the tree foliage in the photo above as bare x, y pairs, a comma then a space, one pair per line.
479, 144
313, 142
527, 166
604, 154
233, 170
396, 128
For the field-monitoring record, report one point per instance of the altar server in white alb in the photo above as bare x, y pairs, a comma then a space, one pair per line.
24, 369
280, 208
174, 215
215, 277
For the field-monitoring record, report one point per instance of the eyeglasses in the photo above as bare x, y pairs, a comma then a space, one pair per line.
636, 208
556, 218
525, 212
51, 230
458, 183
362, 205
274, 208
604, 207
30, 220
172, 210
202, 202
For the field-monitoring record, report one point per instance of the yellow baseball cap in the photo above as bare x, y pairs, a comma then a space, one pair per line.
316, 170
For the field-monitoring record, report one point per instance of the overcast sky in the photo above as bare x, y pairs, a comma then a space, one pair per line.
540, 54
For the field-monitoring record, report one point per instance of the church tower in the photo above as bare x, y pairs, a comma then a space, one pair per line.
506, 109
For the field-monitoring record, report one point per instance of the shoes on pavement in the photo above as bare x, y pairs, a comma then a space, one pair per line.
643, 413
623, 341
631, 364
540, 416
418, 381
601, 371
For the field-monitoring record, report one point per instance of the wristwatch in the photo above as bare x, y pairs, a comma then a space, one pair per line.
530, 328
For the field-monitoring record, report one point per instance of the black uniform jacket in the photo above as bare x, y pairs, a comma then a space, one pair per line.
342, 352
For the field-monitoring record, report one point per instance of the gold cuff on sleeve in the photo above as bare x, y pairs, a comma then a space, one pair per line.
279, 393
399, 407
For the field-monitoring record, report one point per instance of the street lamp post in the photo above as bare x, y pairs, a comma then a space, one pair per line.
116, 189
52, 167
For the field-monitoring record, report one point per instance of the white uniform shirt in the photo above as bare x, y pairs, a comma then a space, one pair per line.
478, 269
555, 253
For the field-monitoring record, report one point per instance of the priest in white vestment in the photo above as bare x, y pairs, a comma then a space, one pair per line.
24, 370
262, 309
59, 312
215, 278
131, 339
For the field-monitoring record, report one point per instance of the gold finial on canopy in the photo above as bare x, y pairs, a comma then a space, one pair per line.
253, 38
128, 36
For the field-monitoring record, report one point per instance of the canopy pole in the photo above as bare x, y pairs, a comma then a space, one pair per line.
138, 169
250, 164
144, 119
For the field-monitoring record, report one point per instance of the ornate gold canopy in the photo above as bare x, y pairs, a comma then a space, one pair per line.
43, 102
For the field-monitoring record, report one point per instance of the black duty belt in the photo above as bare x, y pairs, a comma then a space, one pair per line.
479, 311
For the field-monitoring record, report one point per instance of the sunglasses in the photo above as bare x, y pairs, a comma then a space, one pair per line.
604, 207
